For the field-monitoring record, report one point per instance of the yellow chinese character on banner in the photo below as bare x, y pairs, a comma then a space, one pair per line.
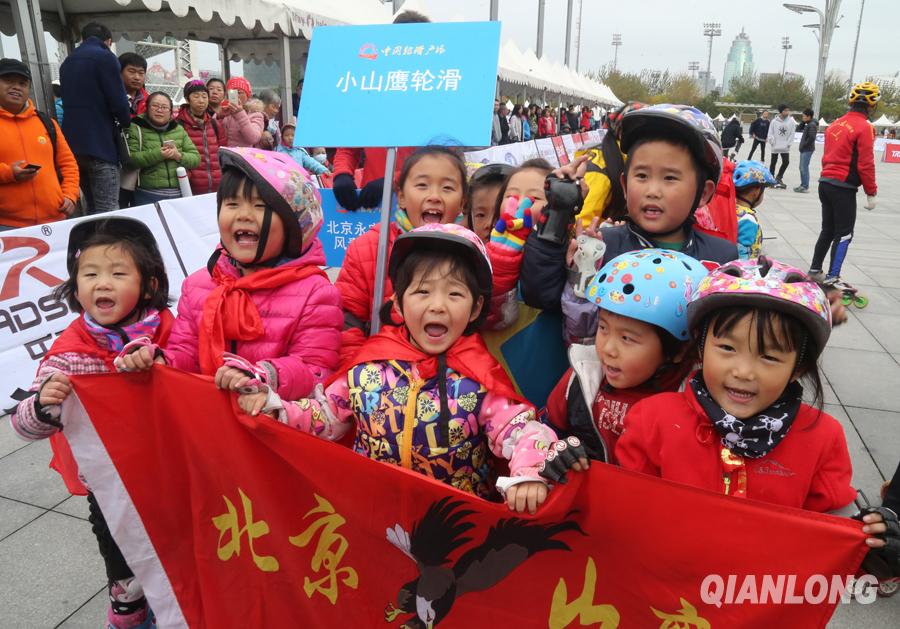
330, 550
227, 523
563, 613
684, 618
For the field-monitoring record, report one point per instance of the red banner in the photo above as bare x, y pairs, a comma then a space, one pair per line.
560, 148
891, 153
233, 521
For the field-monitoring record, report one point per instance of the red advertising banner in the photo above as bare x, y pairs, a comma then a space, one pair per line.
561, 154
891, 153
233, 521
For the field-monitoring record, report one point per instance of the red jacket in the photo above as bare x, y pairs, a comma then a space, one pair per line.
669, 436
356, 283
546, 126
346, 161
849, 157
585, 120
719, 216
207, 136
138, 104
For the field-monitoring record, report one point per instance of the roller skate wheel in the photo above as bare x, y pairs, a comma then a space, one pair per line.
887, 589
846, 299
860, 302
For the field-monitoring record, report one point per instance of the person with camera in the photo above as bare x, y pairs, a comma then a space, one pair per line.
158, 145
38, 173
674, 163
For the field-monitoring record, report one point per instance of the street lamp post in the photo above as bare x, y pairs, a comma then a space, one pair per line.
693, 67
710, 30
786, 45
827, 23
862, 8
616, 42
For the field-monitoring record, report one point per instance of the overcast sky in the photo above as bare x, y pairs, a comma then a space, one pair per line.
657, 37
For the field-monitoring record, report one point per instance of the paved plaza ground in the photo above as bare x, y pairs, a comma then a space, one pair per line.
51, 574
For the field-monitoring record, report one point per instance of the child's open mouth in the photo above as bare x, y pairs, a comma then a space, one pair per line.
740, 396
612, 372
435, 331
652, 211
432, 216
246, 238
104, 303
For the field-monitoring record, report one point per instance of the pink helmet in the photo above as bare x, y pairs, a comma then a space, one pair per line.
450, 237
764, 283
286, 188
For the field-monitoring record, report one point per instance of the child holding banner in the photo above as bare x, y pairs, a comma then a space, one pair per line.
425, 394
641, 346
740, 427
117, 282
262, 307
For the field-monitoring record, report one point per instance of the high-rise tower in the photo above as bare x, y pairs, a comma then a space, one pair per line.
739, 62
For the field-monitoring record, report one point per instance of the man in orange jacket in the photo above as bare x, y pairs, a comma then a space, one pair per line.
38, 177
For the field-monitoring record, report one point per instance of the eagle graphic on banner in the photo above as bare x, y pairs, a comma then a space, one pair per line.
439, 533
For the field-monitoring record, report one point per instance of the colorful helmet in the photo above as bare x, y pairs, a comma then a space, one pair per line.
452, 238
650, 285
867, 92
615, 117
764, 283
752, 173
286, 188
684, 121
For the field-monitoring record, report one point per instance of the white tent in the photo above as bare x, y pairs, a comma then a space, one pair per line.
822, 123
719, 118
884, 121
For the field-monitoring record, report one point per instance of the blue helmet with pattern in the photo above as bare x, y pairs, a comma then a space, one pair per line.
752, 173
650, 285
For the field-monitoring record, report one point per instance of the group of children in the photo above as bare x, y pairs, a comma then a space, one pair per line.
678, 372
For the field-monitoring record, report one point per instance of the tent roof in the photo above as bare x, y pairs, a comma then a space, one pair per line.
822, 122
205, 20
884, 121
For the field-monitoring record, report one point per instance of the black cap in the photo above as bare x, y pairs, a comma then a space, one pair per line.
14, 66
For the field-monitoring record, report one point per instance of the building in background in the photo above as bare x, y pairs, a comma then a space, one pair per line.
739, 62
701, 81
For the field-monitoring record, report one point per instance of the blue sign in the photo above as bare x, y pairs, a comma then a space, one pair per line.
341, 227
399, 85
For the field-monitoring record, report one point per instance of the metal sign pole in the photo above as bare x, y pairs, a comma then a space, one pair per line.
385, 230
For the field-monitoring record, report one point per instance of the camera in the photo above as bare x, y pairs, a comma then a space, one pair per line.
564, 201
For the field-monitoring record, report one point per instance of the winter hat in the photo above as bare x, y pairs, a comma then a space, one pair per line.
194, 86
239, 83
286, 188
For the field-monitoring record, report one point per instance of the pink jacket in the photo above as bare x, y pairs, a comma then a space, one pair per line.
302, 322
241, 128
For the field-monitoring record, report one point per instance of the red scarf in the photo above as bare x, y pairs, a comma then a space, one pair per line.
76, 339
468, 356
229, 311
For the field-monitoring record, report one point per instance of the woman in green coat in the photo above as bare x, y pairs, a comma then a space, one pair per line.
157, 146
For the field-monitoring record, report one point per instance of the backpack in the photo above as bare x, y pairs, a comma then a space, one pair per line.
51, 133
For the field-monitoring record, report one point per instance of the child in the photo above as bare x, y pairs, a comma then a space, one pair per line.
484, 190
674, 162
640, 348
526, 181
320, 154
740, 427
118, 284
298, 153
431, 189
425, 394
262, 307
750, 181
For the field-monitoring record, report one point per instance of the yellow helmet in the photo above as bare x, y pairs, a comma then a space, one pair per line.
867, 92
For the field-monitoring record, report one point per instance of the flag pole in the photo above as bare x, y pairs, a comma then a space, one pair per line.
385, 227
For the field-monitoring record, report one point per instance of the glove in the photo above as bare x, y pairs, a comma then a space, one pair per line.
561, 456
870, 203
370, 195
260, 376
345, 192
514, 225
882, 563
133, 346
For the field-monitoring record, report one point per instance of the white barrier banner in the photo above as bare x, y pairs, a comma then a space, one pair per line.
193, 229
32, 265
546, 150
569, 144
